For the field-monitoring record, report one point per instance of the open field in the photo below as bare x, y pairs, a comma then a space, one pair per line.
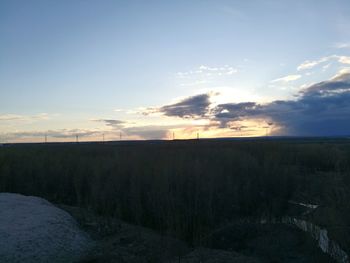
191, 190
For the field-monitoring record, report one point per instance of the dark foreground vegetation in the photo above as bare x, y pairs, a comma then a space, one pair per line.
188, 189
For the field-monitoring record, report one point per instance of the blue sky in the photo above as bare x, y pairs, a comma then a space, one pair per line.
69, 67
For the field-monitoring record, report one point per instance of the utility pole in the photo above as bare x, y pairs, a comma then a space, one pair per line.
120, 136
77, 138
103, 138
197, 135
45, 138
173, 135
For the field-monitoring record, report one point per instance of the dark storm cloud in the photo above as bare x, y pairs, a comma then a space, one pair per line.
195, 106
234, 111
338, 85
321, 109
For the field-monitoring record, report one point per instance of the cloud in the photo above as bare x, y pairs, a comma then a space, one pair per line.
288, 78
344, 59
338, 85
111, 122
139, 132
225, 70
342, 45
148, 132
61, 134
23, 118
119, 110
234, 111
10, 117
342, 72
311, 64
69, 133
205, 70
320, 109
191, 107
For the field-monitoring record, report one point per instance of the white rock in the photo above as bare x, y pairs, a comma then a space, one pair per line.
33, 230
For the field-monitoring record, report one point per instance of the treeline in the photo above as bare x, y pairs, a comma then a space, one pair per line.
185, 188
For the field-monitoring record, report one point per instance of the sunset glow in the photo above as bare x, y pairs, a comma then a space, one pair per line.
152, 70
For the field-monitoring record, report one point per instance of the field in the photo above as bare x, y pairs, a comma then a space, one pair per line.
191, 189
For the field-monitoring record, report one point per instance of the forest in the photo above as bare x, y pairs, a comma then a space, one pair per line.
186, 189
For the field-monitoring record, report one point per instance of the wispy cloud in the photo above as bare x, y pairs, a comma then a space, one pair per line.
10, 117
119, 110
342, 45
344, 59
309, 64
288, 78
60, 133
16, 117
205, 70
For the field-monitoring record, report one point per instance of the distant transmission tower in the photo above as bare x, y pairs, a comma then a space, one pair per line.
197, 135
173, 135
77, 138
270, 127
239, 130
45, 138
103, 137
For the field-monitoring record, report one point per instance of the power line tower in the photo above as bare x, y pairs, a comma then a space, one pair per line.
239, 130
77, 138
45, 138
103, 138
270, 127
173, 135
197, 135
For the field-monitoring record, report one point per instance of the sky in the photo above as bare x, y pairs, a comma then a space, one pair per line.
165, 69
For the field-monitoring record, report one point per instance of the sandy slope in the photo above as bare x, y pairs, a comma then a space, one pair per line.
33, 230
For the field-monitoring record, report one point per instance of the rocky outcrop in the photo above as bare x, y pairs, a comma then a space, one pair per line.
34, 230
